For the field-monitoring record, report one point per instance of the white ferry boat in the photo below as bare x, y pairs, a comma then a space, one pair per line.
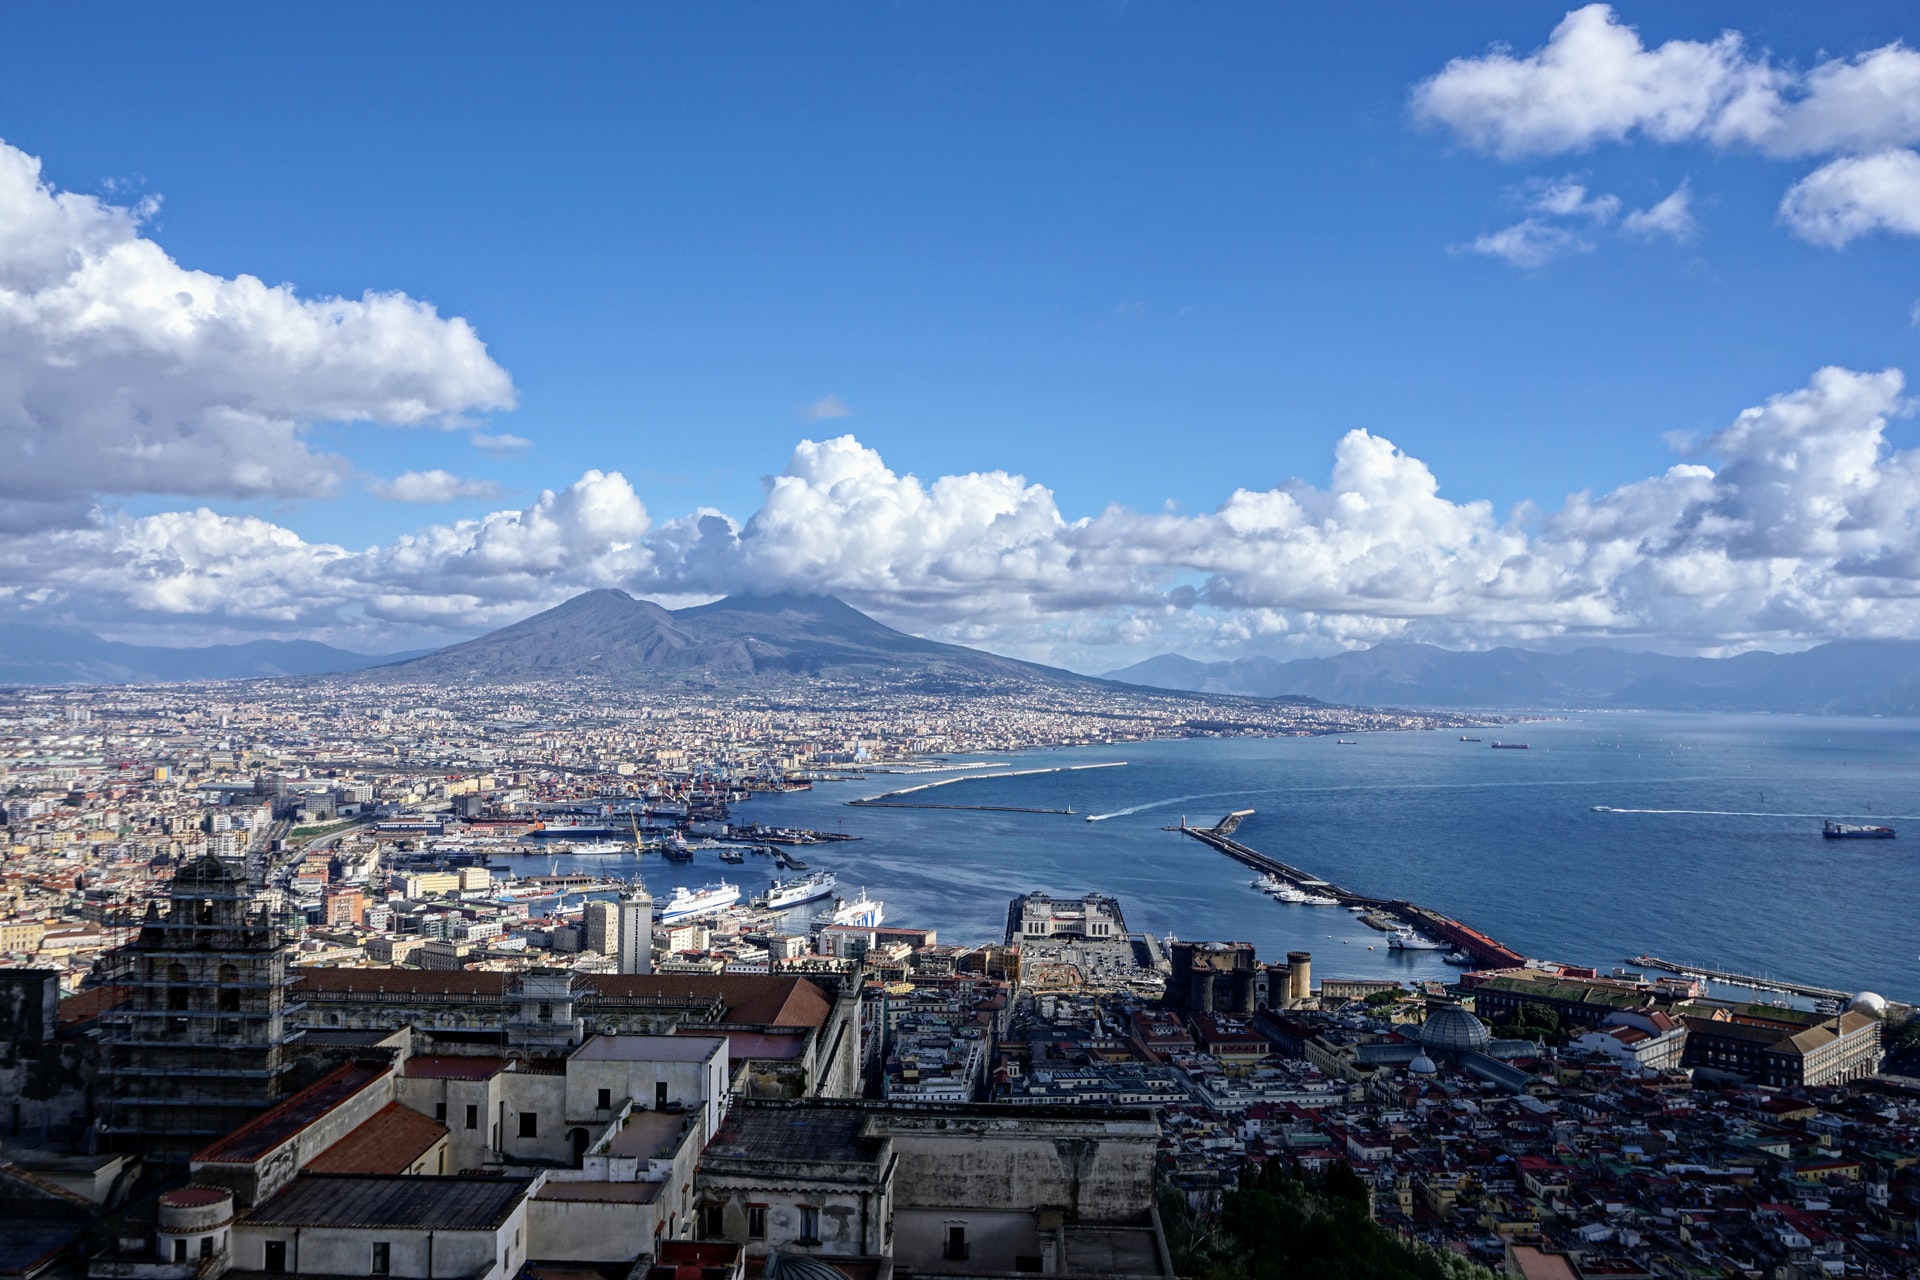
863, 912
686, 904
782, 894
1404, 939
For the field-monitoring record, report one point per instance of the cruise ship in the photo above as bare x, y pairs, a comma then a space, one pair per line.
862, 912
686, 904
782, 894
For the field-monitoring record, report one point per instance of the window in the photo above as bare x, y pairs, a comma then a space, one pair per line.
712, 1221
382, 1258
546, 1013
605, 1100
529, 1124
756, 1222
473, 1116
809, 1225
206, 1246
956, 1250
276, 1255
440, 1112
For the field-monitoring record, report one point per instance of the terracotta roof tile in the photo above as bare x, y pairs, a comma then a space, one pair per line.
389, 1142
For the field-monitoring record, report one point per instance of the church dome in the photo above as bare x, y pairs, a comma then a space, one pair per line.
1422, 1066
1451, 1029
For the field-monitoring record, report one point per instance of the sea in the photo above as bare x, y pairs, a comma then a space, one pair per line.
1695, 838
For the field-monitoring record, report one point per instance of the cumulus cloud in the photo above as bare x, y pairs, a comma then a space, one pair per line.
1565, 198
1671, 217
1595, 81
432, 486
1854, 196
826, 408
1527, 244
122, 372
1797, 521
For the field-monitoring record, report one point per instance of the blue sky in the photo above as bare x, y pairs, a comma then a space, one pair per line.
1139, 254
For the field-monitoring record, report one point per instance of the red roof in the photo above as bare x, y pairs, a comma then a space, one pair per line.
389, 1142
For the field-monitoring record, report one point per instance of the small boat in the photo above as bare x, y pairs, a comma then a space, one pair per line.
1318, 900
1603, 808
1287, 893
1458, 958
732, 857
1854, 831
1347, 742
1465, 738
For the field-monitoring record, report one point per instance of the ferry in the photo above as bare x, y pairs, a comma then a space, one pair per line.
782, 894
1465, 738
1854, 831
1405, 939
863, 912
687, 904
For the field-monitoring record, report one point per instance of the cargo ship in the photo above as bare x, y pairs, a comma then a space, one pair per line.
782, 894
1509, 746
1854, 831
687, 904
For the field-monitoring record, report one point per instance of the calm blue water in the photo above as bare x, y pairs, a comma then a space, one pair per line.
1505, 840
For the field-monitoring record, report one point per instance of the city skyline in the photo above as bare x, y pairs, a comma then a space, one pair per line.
1527, 329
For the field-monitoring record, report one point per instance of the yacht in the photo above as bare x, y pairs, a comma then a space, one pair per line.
1318, 900
1405, 939
1287, 893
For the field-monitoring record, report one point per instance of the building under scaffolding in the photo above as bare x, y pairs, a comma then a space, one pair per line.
198, 1035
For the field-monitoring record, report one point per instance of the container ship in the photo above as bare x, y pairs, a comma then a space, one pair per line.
782, 894
685, 904
1854, 831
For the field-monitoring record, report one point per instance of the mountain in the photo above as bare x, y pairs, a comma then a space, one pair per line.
610, 635
34, 654
1845, 677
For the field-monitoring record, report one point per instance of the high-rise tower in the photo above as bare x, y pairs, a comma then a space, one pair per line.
636, 930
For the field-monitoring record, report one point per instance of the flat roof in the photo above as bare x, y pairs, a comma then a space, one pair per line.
453, 1067
602, 1192
619, 1048
648, 1135
420, 1203
766, 1047
798, 1135
274, 1127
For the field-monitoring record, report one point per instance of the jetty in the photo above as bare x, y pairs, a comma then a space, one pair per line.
1740, 979
1486, 952
892, 798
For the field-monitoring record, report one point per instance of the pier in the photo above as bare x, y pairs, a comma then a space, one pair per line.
1740, 979
1487, 953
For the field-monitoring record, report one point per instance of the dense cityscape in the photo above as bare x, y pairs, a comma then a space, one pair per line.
266, 967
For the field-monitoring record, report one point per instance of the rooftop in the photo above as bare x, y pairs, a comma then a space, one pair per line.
359, 1200
269, 1130
619, 1048
389, 1142
813, 1134
453, 1067
649, 1135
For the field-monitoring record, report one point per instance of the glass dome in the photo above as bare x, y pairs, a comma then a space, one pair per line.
1451, 1029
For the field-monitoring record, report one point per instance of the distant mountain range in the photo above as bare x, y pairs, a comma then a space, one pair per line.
1845, 677
33, 654
741, 640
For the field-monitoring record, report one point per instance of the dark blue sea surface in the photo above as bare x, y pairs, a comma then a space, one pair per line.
1716, 860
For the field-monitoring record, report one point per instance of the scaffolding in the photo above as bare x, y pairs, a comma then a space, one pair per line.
199, 1024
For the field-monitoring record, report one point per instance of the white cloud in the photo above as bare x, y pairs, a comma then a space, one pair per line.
826, 408
1527, 244
1798, 521
1855, 196
1595, 81
1566, 198
433, 486
499, 442
1671, 217
122, 372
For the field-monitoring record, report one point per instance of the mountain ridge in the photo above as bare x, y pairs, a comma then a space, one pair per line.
1841, 677
37, 654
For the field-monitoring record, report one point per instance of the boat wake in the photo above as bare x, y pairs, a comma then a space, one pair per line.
1748, 813
1161, 804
